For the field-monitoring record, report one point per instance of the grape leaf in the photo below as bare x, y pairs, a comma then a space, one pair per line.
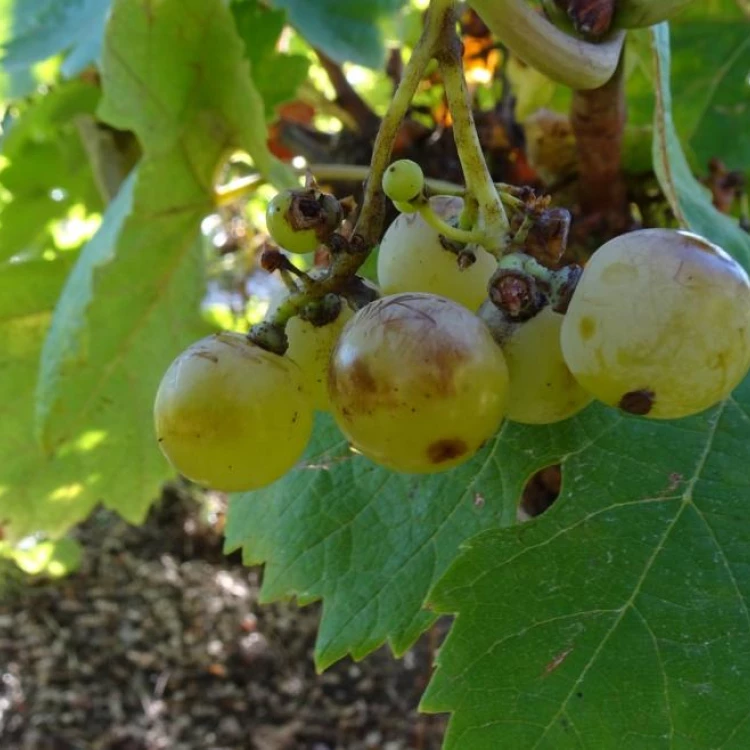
370, 542
344, 30
710, 60
37, 492
173, 73
277, 75
689, 200
47, 171
43, 28
620, 617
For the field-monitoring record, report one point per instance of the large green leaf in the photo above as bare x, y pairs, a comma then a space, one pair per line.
711, 63
371, 543
711, 60
39, 29
620, 618
36, 491
174, 73
690, 200
277, 75
345, 30
47, 171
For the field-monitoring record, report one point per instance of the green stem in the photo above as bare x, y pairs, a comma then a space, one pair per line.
519, 261
469, 213
509, 200
244, 186
455, 234
521, 234
492, 220
370, 222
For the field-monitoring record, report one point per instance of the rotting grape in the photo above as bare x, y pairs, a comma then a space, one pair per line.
417, 383
542, 388
403, 181
300, 220
659, 324
232, 416
412, 259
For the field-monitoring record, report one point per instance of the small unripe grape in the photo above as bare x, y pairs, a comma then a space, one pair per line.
300, 220
232, 416
403, 181
411, 259
659, 324
417, 383
542, 388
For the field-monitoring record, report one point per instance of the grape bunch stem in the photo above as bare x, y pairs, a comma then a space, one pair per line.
439, 41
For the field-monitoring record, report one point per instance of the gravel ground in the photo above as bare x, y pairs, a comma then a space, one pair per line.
158, 642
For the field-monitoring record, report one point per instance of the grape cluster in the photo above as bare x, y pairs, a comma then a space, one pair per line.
418, 380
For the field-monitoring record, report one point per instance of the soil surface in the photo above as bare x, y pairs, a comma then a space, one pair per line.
158, 643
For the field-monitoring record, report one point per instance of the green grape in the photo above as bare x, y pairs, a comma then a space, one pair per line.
300, 220
417, 383
232, 416
659, 324
542, 388
411, 259
403, 181
310, 347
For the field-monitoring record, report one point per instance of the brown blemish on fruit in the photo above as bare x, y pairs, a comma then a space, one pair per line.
638, 402
516, 294
447, 363
206, 355
446, 450
309, 210
719, 361
361, 378
587, 327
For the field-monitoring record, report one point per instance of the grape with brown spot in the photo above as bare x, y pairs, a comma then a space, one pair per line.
417, 384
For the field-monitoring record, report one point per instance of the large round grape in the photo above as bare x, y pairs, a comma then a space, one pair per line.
542, 388
411, 259
232, 416
659, 324
417, 383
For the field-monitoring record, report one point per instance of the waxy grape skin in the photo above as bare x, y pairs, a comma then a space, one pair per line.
659, 324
